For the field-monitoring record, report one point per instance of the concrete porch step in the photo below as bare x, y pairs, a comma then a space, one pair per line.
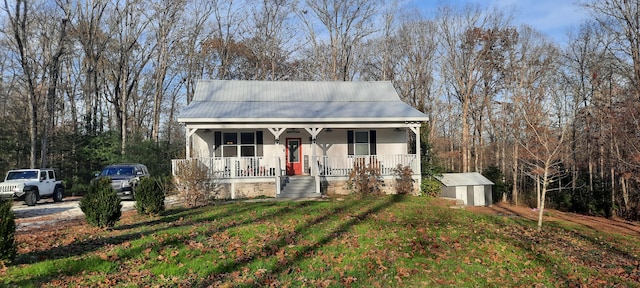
299, 187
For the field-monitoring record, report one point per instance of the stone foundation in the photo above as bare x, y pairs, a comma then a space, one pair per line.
330, 186
247, 190
341, 187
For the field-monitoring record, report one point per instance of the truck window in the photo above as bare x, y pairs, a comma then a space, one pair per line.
51, 176
43, 174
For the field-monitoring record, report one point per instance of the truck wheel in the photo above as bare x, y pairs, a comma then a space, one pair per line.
58, 193
31, 197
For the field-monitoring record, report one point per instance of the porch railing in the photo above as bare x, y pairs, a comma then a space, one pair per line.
342, 166
233, 167
252, 167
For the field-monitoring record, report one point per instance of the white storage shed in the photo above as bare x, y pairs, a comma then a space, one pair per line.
472, 188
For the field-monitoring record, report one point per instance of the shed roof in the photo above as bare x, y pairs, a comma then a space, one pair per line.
463, 179
280, 101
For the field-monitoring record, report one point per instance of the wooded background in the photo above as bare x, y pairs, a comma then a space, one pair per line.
87, 83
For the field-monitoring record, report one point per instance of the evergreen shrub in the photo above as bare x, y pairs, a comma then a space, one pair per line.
7, 233
149, 196
101, 205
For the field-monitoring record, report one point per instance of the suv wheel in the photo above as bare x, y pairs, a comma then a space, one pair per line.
31, 197
58, 193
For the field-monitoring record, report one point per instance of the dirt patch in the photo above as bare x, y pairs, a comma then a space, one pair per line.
610, 225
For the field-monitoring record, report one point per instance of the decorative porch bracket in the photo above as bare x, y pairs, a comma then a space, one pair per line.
277, 132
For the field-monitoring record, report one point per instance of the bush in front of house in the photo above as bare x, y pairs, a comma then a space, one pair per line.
149, 196
194, 184
364, 178
7, 232
101, 205
404, 179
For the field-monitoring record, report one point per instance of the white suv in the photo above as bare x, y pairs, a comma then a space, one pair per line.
32, 185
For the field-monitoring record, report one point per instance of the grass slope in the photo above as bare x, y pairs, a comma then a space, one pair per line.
376, 242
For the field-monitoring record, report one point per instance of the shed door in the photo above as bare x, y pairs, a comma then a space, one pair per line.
461, 193
478, 195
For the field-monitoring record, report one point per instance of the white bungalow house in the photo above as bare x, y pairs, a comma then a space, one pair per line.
277, 139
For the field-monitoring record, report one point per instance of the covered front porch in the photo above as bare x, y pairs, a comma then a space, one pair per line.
242, 154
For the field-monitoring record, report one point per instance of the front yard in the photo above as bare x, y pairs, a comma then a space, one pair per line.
376, 242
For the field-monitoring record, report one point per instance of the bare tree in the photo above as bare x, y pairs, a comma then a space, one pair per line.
347, 23
270, 32
465, 46
90, 32
19, 26
621, 18
39, 45
545, 143
547, 123
167, 13
192, 57
416, 66
54, 50
527, 65
130, 55
226, 40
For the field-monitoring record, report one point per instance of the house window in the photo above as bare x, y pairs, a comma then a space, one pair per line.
361, 142
239, 144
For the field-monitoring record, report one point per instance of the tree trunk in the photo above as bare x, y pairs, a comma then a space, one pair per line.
465, 135
514, 189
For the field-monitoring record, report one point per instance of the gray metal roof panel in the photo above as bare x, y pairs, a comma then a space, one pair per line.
463, 179
294, 91
225, 111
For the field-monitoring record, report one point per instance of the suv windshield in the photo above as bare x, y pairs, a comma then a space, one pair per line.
16, 175
114, 171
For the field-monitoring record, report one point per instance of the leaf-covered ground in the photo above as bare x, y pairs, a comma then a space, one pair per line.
376, 242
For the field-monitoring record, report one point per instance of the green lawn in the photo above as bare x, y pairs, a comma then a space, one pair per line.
376, 242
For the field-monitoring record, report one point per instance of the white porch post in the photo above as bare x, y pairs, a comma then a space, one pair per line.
189, 132
416, 130
314, 133
276, 139
314, 170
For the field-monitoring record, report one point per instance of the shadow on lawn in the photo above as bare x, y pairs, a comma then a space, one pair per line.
86, 246
543, 247
270, 249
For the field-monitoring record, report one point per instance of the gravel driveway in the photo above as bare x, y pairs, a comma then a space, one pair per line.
47, 212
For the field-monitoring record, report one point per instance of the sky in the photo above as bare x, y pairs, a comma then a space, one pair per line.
551, 17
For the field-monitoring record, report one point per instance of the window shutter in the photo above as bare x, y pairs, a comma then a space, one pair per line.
372, 142
218, 144
350, 142
259, 143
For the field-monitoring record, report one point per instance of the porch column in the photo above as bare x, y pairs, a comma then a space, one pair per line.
188, 133
276, 139
416, 130
314, 133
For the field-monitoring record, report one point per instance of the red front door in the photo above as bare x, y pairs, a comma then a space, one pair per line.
294, 155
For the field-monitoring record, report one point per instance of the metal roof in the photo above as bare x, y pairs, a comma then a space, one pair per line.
283, 101
463, 179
